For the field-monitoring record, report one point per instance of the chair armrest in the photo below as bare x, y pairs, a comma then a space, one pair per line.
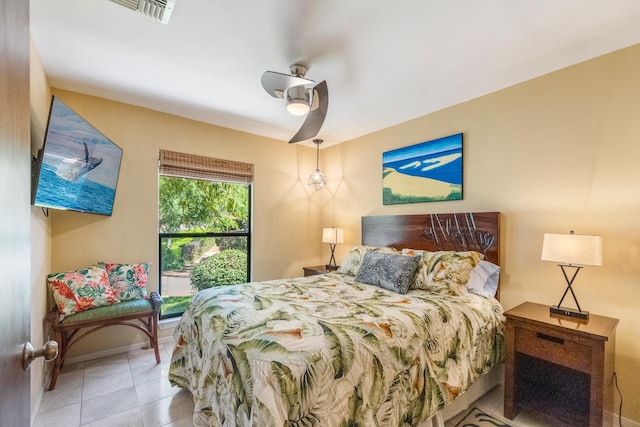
156, 300
53, 316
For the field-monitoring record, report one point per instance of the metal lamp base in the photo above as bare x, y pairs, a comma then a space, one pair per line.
569, 312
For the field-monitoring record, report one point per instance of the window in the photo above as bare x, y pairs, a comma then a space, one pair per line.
204, 213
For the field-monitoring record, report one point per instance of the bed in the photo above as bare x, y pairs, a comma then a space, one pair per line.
335, 350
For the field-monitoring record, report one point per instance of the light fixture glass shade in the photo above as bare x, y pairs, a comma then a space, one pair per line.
317, 179
298, 100
332, 235
573, 249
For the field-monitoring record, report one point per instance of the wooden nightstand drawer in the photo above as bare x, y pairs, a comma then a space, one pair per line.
553, 348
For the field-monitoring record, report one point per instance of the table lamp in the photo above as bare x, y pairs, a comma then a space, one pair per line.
571, 251
332, 236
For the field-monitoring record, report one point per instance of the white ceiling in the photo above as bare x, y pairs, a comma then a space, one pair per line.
385, 62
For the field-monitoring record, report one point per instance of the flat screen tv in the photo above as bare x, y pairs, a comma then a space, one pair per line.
77, 168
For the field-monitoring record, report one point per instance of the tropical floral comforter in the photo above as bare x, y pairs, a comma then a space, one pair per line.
328, 351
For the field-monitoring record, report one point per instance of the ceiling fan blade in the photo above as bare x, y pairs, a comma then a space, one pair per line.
277, 83
315, 118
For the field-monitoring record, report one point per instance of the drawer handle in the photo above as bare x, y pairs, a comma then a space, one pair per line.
549, 338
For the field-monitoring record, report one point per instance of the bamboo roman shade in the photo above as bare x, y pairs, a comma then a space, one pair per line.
183, 165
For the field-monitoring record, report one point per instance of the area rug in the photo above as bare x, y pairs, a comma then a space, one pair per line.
478, 418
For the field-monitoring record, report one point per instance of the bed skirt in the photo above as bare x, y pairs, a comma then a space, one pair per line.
478, 389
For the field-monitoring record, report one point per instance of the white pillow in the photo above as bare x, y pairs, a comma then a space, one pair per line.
484, 279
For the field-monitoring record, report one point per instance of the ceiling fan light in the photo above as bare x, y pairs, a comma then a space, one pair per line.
297, 108
298, 100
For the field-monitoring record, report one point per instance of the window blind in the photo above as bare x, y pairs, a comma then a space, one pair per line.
181, 165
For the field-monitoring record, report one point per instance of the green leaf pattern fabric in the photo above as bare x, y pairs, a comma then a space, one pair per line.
354, 258
80, 290
329, 351
444, 271
129, 281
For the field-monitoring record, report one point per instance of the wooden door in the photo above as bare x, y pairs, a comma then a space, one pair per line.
15, 195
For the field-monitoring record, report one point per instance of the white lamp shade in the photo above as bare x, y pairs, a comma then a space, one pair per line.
574, 249
332, 235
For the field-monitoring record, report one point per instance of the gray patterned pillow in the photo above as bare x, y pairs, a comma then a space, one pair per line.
390, 271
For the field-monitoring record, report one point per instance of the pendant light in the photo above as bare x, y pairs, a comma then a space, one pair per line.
317, 179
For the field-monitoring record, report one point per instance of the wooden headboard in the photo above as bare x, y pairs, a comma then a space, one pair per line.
470, 231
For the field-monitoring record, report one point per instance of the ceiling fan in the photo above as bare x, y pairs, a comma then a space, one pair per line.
301, 99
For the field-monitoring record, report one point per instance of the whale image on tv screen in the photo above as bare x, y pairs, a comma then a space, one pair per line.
77, 168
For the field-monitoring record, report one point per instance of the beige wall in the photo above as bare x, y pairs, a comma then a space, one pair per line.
556, 153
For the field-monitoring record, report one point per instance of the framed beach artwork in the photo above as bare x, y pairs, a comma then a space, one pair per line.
427, 172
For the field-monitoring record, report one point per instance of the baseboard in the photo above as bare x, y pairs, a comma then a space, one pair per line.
170, 323
105, 353
165, 340
114, 351
612, 420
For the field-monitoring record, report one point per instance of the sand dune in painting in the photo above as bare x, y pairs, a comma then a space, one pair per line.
408, 185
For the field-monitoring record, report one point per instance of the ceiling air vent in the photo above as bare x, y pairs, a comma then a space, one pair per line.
157, 9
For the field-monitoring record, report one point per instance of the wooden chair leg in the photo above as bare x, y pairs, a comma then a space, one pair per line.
154, 337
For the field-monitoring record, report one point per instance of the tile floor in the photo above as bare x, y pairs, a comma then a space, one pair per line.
128, 389
131, 390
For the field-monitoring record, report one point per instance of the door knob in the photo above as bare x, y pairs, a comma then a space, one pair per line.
49, 351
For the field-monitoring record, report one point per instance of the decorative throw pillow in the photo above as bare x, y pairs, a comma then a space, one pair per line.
444, 271
353, 260
484, 279
129, 281
390, 271
80, 290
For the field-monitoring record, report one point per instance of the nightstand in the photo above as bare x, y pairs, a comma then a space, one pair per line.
559, 366
317, 269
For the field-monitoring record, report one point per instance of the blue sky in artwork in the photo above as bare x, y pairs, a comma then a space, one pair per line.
448, 143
